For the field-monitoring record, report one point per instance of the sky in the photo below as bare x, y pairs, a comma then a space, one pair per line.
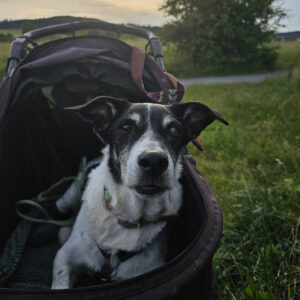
115, 11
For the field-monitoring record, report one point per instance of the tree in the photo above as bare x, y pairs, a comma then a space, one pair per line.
28, 25
224, 34
6, 37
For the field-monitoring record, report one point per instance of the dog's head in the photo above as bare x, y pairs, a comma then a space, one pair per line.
145, 139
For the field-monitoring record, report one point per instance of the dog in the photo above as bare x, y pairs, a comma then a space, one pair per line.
134, 191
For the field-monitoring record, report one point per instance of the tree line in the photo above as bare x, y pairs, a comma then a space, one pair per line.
223, 34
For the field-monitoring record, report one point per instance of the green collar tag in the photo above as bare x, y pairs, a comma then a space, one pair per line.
107, 196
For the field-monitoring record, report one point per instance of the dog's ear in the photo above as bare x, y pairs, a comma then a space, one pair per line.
195, 117
100, 111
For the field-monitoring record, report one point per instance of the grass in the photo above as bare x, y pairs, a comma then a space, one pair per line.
180, 65
288, 55
4, 48
253, 166
4, 51
134, 41
14, 32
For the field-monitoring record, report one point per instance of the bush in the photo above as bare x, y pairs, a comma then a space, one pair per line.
223, 35
7, 38
28, 25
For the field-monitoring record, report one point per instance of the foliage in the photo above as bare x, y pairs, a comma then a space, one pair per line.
6, 37
2, 66
253, 165
223, 34
14, 32
28, 25
177, 63
4, 50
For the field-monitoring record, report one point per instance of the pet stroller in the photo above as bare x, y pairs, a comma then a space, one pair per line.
41, 143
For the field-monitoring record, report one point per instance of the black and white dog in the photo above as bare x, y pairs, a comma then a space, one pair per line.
135, 189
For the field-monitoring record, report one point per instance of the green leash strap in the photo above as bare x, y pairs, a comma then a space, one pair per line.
47, 220
37, 204
44, 197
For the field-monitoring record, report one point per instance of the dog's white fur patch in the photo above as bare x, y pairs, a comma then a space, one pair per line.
96, 227
167, 120
135, 117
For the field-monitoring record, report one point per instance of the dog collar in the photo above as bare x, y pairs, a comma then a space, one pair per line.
107, 199
141, 222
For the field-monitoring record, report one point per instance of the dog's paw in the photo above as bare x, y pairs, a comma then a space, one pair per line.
120, 274
127, 271
61, 279
60, 284
135, 266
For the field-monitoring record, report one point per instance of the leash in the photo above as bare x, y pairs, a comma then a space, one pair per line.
37, 202
45, 198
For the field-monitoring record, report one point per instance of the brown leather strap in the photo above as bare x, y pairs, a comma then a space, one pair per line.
138, 61
137, 66
142, 222
160, 76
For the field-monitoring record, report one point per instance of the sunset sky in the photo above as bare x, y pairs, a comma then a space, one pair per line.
116, 11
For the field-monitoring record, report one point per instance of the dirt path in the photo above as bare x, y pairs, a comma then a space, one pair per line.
232, 79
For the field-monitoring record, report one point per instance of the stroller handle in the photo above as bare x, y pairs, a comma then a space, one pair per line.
80, 25
17, 48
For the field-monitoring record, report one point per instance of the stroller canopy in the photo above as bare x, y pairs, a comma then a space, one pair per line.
94, 65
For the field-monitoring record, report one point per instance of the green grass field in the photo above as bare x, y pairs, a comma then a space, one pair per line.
14, 32
288, 55
253, 166
180, 65
4, 51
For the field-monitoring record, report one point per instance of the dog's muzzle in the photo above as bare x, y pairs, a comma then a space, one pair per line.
152, 165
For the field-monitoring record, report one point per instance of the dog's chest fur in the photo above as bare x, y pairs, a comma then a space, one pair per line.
102, 223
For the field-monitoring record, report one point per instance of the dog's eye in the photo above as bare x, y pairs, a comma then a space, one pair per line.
174, 131
126, 127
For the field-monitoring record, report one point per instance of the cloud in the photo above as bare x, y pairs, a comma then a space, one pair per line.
292, 22
116, 11
113, 11
121, 11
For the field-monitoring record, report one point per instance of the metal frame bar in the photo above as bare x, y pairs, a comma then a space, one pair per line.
18, 46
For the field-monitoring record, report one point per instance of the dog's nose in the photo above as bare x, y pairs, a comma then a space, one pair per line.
153, 162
